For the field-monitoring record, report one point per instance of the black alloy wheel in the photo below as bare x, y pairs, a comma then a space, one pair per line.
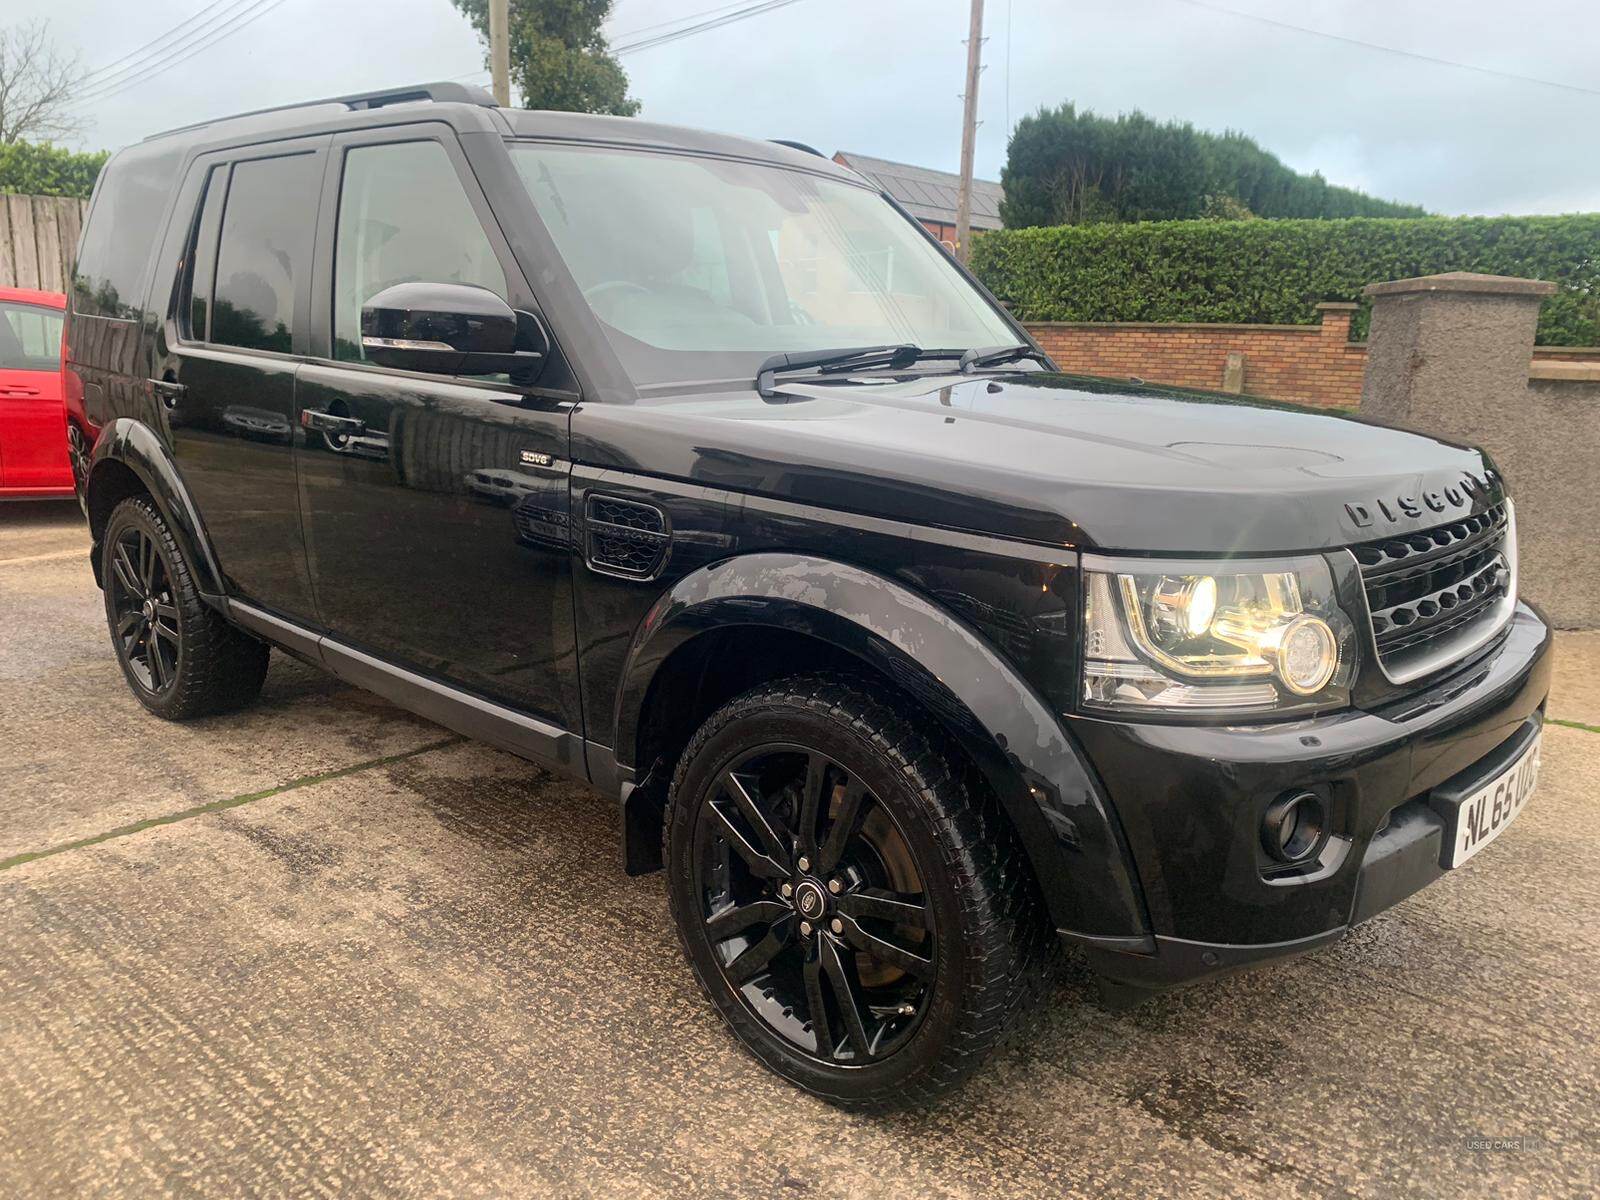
144, 612
848, 894
78, 453
181, 656
811, 896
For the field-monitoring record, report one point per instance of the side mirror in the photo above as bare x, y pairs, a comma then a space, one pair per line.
451, 329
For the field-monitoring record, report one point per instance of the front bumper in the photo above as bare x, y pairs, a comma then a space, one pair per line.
1191, 800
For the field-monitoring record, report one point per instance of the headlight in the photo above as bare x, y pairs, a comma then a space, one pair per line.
1223, 636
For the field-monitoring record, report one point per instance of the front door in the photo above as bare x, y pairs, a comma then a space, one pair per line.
33, 427
428, 501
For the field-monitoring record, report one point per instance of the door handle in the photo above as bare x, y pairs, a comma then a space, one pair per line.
18, 391
170, 391
327, 422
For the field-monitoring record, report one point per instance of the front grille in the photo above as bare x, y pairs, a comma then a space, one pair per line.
625, 537
1435, 595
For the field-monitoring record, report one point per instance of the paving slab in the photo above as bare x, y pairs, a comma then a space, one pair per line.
323, 946
1575, 692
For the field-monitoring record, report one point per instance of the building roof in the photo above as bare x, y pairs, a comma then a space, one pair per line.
928, 195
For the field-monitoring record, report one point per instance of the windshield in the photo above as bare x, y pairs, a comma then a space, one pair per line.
700, 268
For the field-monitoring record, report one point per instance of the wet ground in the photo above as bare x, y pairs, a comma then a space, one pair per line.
323, 946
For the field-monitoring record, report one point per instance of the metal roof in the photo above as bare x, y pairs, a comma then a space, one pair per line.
927, 194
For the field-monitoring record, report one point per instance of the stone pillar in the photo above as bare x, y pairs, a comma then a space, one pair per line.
1335, 316
1450, 356
1447, 353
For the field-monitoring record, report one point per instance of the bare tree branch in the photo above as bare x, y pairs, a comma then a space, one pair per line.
37, 83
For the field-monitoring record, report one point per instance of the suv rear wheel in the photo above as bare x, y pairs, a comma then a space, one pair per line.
864, 924
181, 658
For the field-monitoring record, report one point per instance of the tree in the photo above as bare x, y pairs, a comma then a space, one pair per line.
36, 86
1067, 166
559, 57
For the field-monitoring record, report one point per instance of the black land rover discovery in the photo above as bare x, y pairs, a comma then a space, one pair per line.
691, 466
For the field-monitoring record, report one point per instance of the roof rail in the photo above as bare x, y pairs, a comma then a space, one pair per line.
444, 92
800, 146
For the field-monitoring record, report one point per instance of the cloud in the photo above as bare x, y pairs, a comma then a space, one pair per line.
882, 77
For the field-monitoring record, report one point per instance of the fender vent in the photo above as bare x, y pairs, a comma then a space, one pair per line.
624, 537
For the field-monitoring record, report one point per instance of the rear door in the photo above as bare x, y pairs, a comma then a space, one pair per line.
435, 506
33, 428
235, 334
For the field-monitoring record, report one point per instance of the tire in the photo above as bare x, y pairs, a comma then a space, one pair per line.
180, 656
78, 453
938, 985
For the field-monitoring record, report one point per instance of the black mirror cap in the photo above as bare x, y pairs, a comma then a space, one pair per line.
450, 329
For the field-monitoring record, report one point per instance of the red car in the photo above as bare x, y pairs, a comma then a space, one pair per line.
35, 462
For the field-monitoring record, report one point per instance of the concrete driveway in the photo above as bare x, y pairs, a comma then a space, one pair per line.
323, 946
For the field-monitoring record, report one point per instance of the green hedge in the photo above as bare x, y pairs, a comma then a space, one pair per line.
1275, 272
40, 169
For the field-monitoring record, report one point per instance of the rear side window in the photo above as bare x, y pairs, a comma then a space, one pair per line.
265, 251
114, 254
403, 217
30, 338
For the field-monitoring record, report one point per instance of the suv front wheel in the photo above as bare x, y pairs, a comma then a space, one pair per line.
181, 658
862, 921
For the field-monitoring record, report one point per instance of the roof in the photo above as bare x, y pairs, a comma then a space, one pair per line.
926, 194
14, 295
471, 109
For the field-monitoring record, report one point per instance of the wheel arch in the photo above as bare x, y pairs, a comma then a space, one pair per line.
822, 613
129, 458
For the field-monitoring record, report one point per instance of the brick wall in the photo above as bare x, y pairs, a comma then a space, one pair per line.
1312, 364
1307, 364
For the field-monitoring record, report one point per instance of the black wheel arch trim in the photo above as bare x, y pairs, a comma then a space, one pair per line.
135, 445
1071, 835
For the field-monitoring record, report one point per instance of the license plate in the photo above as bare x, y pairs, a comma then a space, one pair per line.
1484, 815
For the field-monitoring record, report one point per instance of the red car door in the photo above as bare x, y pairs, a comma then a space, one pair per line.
33, 429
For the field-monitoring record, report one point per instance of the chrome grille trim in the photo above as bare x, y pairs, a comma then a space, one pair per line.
1436, 596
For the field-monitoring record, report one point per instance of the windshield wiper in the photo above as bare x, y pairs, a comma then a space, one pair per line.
994, 356
834, 360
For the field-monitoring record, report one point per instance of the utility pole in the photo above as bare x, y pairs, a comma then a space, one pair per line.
969, 131
500, 51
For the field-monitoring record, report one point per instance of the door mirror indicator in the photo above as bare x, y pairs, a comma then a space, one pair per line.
452, 329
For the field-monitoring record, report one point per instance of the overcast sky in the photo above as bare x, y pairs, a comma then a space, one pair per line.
883, 77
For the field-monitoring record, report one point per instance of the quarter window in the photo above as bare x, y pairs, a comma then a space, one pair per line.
403, 217
265, 251
130, 200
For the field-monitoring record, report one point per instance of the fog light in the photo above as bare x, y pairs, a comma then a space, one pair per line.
1295, 826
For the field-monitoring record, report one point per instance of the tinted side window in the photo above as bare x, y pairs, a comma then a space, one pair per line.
201, 270
265, 250
30, 338
403, 217
114, 253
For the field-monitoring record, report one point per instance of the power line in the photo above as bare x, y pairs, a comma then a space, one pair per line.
188, 38
1427, 58
743, 11
749, 10
98, 72
706, 12
243, 19
184, 40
